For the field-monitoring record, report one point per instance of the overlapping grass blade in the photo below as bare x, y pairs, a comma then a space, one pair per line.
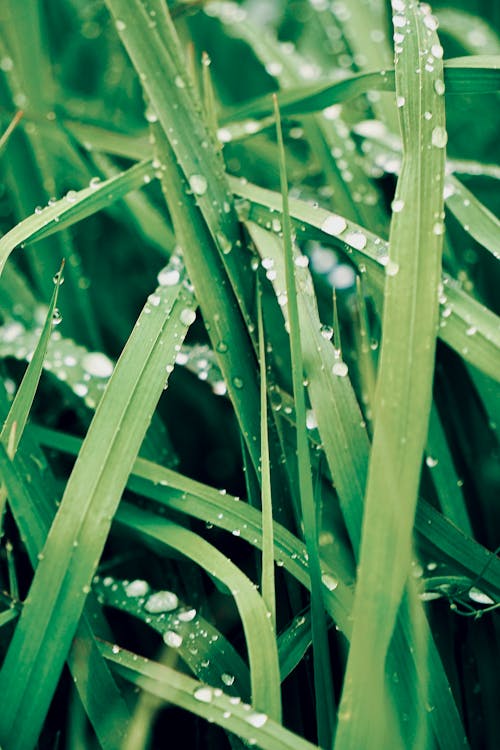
460, 312
202, 700
77, 206
473, 75
48, 622
259, 633
203, 648
322, 675
403, 397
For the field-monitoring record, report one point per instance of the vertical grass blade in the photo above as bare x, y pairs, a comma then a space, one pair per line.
404, 387
322, 672
268, 584
57, 595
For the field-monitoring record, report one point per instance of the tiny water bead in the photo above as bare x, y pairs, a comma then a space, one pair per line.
392, 268
431, 462
397, 205
257, 720
227, 679
56, 317
161, 601
198, 184
329, 581
439, 87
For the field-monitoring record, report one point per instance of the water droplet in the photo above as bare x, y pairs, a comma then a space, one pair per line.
400, 101
327, 332
169, 277
120, 25
198, 184
479, 596
224, 135
329, 581
187, 316
172, 639
94, 183
431, 462
238, 383
340, 369
187, 615
439, 137
179, 82
342, 276
439, 87
429, 596
274, 68
311, 421
224, 242
357, 240
150, 115
71, 196
115, 649
256, 719
438, 228
97, 364
161, 601
301, 261
397, 205
437, 51
56, 317
203, 694
227, 679
392, 268
471, 331
431, 22
334, 225
58, 279
137, 588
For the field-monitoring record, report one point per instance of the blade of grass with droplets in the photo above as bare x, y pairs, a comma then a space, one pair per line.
202, 700
403, 397
77, 206
203, 648
473, 75
57, 595
323, 685
176, 108
32, 499
259, 633
227, 332
268, 582
460, 312
13, 426
169, 489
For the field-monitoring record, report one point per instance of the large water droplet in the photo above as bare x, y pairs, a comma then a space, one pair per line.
161, 601
340, 369
137, 588
439, 137
479, 596
329, 581
172, 639
198, 184
169, 277
334, 225
203, 694
187, 316
97, 364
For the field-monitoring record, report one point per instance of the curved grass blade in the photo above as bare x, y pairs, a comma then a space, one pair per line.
199, 644
459, 312
45, 629
77, 205
202, 700
259, 633
403, 398
472, 75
